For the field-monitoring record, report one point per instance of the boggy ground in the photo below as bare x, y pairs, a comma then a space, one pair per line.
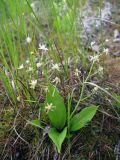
100, 140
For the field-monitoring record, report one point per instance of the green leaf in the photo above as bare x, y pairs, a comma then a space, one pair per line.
57, 137
57, 114
117, 103
57, 23
82, 118
65, 23
36, 123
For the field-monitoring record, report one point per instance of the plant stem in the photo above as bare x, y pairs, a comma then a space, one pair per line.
82, 90
68, 122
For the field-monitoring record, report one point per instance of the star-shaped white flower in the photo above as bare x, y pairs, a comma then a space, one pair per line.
28, 40
27, 61
94, 58
21, 67
106, 50
49, 107
77, 72
39, 64
56, 80
95, 89
92, 43
33, 84
43, 47
56, 67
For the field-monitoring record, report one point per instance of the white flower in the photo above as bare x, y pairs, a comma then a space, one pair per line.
116, 34
92, 43
21, 67
107, 40
56, 80
77, 72
28, 40
95, 89
106, 50
94, 58
49, 107
18, 98
94, 47
27, 61
100, 69
56, 67
33, 6
43, 47
33, 84
39, 64
30, 69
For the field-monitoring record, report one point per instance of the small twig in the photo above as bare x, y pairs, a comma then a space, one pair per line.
89, 19
14, 128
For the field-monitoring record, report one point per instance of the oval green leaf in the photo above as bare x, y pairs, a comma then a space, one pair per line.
82, 118
57, 114
57, 137
36, 123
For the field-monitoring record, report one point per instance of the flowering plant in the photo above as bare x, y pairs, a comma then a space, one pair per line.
62, 121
